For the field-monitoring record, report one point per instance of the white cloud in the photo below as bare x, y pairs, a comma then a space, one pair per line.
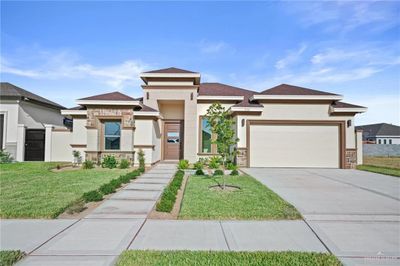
291, 57
64, 65
212, 47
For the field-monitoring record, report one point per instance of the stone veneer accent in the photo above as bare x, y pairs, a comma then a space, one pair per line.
350, 159
93, 115
241, 157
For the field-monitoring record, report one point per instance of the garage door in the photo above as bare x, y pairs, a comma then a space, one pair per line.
294, 146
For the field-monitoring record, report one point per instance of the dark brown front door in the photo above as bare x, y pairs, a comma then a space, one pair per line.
172, 140
34, 145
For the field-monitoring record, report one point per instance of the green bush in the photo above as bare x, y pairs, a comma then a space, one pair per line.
133, 174
10, 257
218, 172
204, 160
109, 161
124, 163
168, 196
93, 195
214, 162
183, 164
125, 179
198, 165
231, 166
107, 189
199, 172
87, 164
235, 172
5, 157
141, 160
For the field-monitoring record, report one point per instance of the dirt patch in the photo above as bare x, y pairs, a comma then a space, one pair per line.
173, 215
66, 168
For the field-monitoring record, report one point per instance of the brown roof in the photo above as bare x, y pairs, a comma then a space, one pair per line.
112, 96
77, 108
381, 129
171, 70
219, 89
285, 89
345, 105
146, 108
12, 91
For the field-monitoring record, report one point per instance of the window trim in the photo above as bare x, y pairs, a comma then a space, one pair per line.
213, 137
103, 123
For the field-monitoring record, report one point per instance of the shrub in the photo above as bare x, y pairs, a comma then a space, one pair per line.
168, 197
235, 172
10, 257
218, 172
198, 165
204, 160
5, 157
77, 206
199, 172
183, 164
133, 174
214, 162
141, 160
109, 161
125, 179
231, 166
87, 164
107, 189
93, 195
124, 163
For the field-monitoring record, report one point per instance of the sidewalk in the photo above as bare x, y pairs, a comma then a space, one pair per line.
120, 223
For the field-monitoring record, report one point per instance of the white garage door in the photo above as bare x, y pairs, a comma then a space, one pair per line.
294, 146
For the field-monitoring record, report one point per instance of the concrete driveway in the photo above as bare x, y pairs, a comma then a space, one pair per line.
356, 214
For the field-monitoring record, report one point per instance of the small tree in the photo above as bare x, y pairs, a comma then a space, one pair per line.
222, 126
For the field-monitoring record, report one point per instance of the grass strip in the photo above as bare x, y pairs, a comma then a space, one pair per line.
168, 197
380, 170
9, 257
285, 258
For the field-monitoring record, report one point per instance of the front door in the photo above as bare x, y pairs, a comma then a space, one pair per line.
173, 140
34, 145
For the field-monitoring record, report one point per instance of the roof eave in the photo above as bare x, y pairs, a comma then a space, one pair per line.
107, 102
348, 110
221, 98
296, 97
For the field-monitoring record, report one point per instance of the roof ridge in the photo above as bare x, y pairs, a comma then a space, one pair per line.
288, 89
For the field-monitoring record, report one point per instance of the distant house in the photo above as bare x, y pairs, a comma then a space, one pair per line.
23, 118
381, 133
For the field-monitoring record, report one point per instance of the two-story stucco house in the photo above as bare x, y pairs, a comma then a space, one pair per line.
285, 126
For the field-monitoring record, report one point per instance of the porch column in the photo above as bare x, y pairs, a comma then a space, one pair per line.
47, 142
359, 146
20, 143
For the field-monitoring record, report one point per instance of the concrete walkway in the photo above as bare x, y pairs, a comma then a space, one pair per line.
356, 214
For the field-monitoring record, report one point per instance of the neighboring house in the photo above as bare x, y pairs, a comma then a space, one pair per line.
23, 117
285, 126
381, 133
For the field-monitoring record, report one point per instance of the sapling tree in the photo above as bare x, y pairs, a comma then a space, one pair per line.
222, 124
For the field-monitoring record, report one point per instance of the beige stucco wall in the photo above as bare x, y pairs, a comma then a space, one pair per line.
156, 139
359, 147
189, 96
79, 131
61, 150
143, 137
296, 112
10, 109
172, 110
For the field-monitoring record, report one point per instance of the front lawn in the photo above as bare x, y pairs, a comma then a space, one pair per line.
31, 190
391, 162
380, 169
253, 201
289, 258
10, 257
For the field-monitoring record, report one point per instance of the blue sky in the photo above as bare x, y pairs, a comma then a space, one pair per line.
68, 50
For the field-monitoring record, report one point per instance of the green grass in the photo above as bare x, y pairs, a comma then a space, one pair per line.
31, 190
253, 201
168, 197
380, 170
9, 257
289, 258
391, 162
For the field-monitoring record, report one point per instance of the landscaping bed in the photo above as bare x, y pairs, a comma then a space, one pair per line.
10, 257
288, 258
32, 190
253, 201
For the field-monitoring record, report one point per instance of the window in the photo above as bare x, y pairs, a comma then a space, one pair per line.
379, 141
1, 130
384, 141
173, 137
206, 137
390, 141
112, 135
